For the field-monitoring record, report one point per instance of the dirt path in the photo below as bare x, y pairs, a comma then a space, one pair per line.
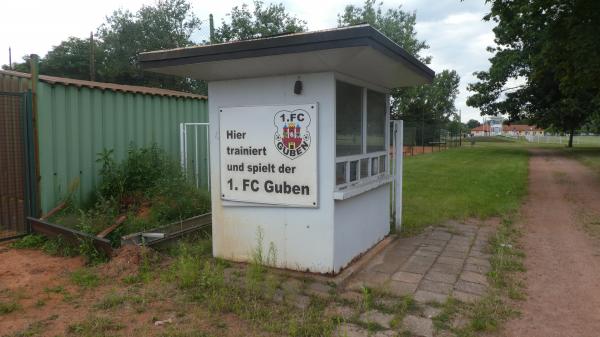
562, 260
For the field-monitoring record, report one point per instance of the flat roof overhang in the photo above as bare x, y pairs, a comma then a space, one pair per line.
358, 51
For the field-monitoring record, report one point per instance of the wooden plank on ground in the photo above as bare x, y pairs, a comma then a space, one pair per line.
70, 235
114, 226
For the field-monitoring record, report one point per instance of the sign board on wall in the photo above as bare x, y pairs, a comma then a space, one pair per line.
269, 154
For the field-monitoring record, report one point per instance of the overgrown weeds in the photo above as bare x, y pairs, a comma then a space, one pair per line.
85, 278
148, 187
58, 246
250, 295
96, 326
8, 307
110, 301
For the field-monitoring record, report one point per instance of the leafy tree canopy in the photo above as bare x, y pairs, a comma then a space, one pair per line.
473, 123
554, 46
431, 104
395, 23
262, 21
168, 24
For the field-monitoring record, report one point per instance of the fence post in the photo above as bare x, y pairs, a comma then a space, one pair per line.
33, 85
399, 149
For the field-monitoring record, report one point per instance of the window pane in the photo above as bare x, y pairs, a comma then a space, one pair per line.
382, 160
364, 168
376, 110
340, 173
353, 170
348, 119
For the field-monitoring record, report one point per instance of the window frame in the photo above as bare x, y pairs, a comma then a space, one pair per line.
364, 155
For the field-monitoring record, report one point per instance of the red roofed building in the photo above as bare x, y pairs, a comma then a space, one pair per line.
509, 130
482, 130
522, 130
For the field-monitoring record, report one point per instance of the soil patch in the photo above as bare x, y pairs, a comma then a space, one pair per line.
562, 261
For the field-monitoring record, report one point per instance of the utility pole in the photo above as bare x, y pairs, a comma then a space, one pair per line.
9, 58
92, 58
211, 23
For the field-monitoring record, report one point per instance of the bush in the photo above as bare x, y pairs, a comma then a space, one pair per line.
29, 241
148, 176
138, 173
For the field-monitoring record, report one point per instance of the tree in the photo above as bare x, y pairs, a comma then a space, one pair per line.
553, 46
261, 22
425, 104
168, 24
395, 23
472, 123
431, 104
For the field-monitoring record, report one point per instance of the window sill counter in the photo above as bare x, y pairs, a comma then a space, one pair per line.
352, 191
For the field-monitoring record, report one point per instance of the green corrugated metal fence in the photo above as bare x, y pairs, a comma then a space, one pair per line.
75, 124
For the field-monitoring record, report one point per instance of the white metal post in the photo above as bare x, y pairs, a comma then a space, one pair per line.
399, 149
182, 144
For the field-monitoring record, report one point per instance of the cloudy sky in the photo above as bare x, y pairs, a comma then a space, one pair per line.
453, 29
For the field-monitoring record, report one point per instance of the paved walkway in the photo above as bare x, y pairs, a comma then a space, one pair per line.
449, 260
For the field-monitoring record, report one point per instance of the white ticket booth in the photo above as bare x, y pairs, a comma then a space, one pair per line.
299, 141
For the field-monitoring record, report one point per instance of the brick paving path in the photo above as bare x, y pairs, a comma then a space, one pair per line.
449, 260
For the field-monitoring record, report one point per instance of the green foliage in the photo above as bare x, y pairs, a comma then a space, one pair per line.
95, 326
29, 241
85, 278
139, 172
260, 22
58, 246
148, 177
247, 296
395, 23
473, 123
432, 103
8, 307
164, 25
552, 47
110, 301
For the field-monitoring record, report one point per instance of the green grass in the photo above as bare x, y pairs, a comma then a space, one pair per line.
473, 181
95, 326
110, 301
85, 278
8, 307
589, 156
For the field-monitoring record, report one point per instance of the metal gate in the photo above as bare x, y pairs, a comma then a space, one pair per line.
16, 169
195, 156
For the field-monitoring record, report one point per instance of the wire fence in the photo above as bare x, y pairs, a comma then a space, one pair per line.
428, 138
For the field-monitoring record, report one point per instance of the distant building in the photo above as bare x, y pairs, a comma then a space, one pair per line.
495, 123
482, 130
507, 130
522, 130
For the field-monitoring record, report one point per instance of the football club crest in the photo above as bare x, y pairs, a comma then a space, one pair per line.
292, 138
